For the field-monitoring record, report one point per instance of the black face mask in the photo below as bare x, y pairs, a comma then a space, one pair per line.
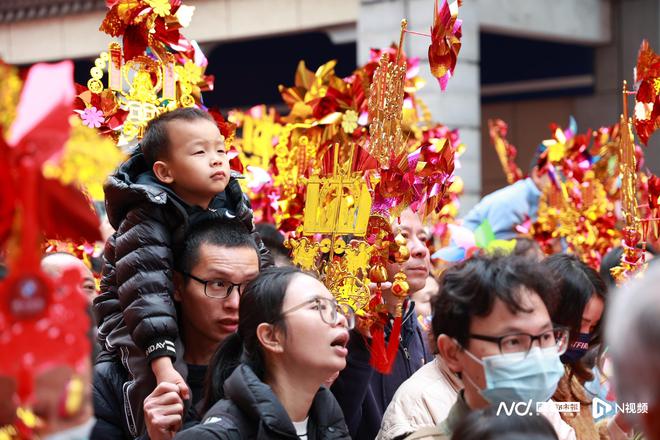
578, 349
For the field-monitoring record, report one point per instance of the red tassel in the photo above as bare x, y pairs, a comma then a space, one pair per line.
382, 358
378, 354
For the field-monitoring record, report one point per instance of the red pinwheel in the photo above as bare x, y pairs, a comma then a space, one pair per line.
43, 322
647, 99
446, 35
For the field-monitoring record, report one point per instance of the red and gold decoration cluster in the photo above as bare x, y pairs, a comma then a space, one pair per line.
153, 70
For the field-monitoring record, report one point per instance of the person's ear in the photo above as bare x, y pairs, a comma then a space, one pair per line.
179, 285
163, 172
270, 337
448, 350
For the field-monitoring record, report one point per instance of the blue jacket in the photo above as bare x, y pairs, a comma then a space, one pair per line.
364, 394
506, 208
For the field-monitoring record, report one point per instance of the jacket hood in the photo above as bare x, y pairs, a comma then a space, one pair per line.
257, 400
133, 183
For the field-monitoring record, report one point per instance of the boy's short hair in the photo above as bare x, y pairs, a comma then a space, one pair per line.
156, 141
470, 289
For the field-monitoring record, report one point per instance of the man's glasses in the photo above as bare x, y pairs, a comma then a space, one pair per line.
219, 289
329, 310
522, 342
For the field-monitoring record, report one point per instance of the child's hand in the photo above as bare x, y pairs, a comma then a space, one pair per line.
165, 372
239, 203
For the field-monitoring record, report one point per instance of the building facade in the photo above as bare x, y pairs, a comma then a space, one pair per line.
529, 62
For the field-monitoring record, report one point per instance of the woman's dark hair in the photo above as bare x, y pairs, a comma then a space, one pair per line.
261, 302
487, 425
471, 287
576, 283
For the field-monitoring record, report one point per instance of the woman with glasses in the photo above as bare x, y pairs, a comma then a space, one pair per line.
265, 380
580, 304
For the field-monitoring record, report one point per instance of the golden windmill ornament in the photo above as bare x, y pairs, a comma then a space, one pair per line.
634, 245
386, 106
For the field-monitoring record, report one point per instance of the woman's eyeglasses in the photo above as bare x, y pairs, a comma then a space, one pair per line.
329, 310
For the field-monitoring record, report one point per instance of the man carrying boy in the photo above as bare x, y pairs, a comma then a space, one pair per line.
218, 259
178, 177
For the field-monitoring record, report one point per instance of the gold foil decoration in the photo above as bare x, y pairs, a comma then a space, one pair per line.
386, 107
9, 95
144, 86
257, 140
88, 158
634, 246
304, 252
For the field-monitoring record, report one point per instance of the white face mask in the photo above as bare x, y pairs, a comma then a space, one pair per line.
514, 377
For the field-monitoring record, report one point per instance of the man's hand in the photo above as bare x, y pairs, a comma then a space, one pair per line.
163, 411
165, 372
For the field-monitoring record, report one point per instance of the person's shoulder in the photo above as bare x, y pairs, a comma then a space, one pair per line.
428, 374
211, 428
429, 433
107, 398
221, 421
110, 370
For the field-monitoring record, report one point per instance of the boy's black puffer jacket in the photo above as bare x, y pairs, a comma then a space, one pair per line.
151, 223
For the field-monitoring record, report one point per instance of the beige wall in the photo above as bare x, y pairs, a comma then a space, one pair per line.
77, 36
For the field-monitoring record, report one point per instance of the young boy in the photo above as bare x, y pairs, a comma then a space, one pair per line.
179, 176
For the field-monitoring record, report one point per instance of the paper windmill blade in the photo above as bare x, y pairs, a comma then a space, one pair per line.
43, 322
647, 99
446, 35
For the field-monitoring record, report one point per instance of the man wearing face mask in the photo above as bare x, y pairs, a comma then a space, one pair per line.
495, 332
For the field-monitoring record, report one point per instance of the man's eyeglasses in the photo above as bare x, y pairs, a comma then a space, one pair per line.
522, 342
219, 289
329, 310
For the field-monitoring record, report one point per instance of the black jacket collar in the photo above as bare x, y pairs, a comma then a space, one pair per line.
257, 401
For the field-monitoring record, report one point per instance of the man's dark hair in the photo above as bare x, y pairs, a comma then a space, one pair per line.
471, 287
272, 238
526, 247
229, 233
486, 424
156, 142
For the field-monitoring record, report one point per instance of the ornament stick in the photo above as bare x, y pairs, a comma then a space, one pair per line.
404, 25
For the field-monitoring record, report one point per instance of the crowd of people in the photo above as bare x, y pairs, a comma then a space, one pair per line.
206, 331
